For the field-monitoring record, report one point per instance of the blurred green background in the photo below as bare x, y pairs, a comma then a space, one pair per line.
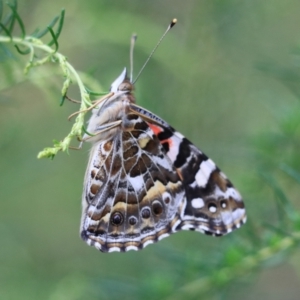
226, 76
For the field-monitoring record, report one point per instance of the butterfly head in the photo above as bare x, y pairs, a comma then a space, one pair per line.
122, 83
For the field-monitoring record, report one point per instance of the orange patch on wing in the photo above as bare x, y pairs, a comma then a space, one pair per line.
156, 130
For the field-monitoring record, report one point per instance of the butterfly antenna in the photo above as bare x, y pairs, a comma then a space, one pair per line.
132, 43
173, 22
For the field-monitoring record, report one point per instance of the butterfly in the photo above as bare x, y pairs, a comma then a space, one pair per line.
145, 180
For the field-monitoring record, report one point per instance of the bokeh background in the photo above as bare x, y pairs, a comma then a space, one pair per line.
226, 76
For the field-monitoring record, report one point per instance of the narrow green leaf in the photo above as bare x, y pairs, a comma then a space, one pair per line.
7, 20
85, 131
18, 18
92, 93
61, 23
23, 52
6, 30
54, 39
62, 100
60, 26
13, 19
46, 30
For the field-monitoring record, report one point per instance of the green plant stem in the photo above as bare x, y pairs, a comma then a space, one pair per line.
69, 72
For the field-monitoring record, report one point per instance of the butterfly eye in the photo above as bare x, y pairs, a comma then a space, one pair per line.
117, 219
125, 86
132, 220
157, 208
212, 207
145, 213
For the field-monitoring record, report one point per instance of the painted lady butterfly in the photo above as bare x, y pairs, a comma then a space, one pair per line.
145, 180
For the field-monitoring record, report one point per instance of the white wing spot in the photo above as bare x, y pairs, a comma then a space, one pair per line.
174, 150
147, 243
187, 226
206, 168
163, 236
137, 182
128, 248
197, 203
212, 208
114, 249
97, 245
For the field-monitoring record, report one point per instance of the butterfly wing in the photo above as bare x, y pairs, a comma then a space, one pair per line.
213, 205
132, 190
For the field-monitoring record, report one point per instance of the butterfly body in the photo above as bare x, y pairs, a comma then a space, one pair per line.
145, 181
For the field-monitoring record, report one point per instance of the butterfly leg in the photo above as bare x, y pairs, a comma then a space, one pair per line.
92, 106
100, 130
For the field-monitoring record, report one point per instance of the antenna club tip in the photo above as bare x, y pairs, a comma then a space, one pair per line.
173, 22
